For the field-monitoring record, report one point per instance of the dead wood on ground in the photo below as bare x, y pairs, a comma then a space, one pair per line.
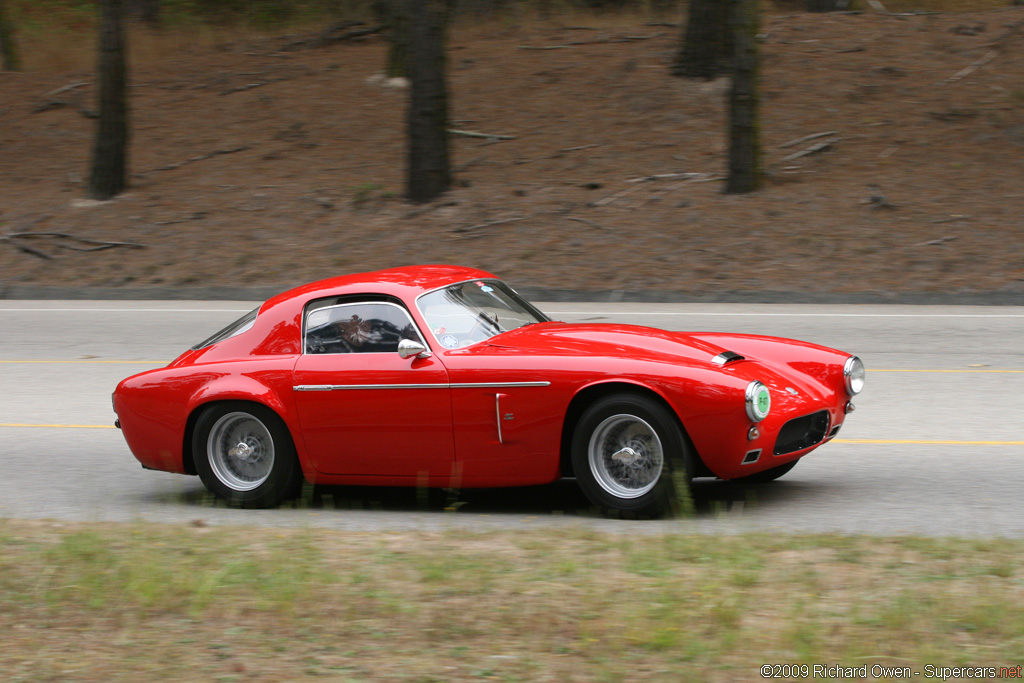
60, 240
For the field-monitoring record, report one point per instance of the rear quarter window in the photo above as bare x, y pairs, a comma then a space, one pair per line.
235, 328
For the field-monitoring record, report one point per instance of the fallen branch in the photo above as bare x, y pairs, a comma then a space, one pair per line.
590, 223
248, 86
669, 176
56, 237
201, 157
471, 228
26, 249
951, 219
474, 134
617, 195
935, 243
57, 104
63, 89
350, 35
806, 138
602, 41
974, 66
557, 154
333, 35
813, 149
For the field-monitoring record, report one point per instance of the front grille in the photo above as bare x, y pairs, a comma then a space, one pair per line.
803, 432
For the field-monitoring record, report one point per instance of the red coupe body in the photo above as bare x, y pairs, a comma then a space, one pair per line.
468, 412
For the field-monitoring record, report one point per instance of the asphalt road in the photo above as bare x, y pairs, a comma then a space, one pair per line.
935, 447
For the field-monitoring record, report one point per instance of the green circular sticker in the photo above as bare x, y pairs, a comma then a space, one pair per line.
764, 401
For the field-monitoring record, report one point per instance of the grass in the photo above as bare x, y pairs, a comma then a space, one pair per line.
126, 603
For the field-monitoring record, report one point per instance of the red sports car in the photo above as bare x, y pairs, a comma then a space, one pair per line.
440, 376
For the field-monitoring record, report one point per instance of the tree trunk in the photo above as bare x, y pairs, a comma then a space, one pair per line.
821, 5
706, 51
107, 178
744, 117
395, 15
8, 51
429, 172
146, 10
662, 8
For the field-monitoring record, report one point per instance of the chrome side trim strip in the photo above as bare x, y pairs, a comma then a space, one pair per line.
463, 385
347, 387
497, 385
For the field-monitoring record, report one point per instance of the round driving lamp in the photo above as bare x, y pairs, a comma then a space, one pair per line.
759, 401
853, 375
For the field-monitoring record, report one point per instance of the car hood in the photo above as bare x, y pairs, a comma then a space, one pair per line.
602, 339
797, 372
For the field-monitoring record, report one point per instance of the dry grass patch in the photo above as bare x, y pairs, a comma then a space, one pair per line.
126, 603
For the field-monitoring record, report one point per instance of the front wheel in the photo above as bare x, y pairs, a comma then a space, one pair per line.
245, 455
631, 457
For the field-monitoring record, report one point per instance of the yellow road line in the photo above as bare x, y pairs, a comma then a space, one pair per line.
930, 442
86, 362
54, 426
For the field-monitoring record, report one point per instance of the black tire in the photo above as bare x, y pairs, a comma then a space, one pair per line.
631, 458
767, 475
245, 455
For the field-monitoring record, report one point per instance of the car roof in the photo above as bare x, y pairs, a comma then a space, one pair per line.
406, 282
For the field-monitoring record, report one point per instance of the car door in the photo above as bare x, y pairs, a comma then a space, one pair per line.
363, 409
508, 411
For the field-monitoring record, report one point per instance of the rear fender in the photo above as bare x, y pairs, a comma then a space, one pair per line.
274, 394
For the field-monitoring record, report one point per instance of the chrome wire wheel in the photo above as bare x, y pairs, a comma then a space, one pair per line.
625, 456
240, 451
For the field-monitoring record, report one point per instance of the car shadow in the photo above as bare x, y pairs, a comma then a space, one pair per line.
710, 497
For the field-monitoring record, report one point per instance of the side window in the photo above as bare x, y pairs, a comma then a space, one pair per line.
373, 327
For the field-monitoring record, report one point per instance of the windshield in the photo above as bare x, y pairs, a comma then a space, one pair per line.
473, 311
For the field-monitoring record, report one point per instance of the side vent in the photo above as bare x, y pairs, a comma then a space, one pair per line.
751, 457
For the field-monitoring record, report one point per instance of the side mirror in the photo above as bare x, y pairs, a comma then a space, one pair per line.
407, 348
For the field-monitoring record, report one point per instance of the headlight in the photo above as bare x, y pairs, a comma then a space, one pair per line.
759, 401
853, 374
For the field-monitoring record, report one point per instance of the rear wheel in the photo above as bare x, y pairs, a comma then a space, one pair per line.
245, 455
630, 456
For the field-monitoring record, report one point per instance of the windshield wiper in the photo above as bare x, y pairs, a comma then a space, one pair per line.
492, 322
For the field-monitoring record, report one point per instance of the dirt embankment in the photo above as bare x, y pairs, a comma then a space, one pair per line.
253, 167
